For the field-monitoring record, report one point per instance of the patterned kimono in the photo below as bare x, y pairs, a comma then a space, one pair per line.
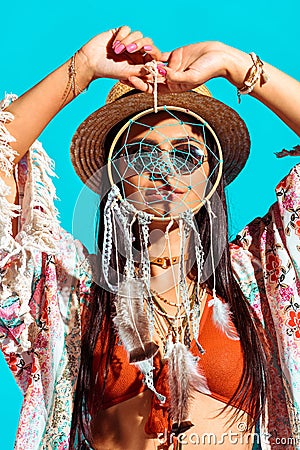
45, 281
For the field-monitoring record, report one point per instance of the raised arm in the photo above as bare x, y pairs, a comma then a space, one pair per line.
99, 58
195, 64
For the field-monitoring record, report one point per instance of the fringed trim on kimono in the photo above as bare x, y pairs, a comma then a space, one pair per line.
39, 225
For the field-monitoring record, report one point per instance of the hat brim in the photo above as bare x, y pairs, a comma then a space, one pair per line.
88, 144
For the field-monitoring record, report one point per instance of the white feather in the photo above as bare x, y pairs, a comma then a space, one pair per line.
198, 380
184, 376
129, 312
222, 318
131, 320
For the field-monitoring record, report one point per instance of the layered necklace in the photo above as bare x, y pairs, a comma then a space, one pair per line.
178, 327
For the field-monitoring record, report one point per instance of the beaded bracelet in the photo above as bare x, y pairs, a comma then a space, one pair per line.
255, 73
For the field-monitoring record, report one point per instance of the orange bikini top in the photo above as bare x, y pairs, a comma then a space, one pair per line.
221, 364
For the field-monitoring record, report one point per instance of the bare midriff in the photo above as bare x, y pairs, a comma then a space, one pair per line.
122, 426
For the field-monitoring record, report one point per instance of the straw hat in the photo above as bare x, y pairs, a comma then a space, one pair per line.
88, 143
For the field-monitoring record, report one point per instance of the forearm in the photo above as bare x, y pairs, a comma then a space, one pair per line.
35, 109
281, 93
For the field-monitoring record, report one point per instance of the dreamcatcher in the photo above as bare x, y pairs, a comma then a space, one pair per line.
160, 174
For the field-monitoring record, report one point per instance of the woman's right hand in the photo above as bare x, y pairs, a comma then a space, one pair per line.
119, 54
101, 57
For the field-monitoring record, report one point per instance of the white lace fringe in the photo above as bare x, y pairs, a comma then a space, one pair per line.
40, 228
7, 154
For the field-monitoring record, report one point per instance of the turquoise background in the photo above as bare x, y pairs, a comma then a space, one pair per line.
38, 36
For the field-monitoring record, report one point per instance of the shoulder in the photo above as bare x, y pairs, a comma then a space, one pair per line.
288, 190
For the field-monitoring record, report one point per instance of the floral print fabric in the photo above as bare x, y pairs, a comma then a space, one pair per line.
265, 258
44, 281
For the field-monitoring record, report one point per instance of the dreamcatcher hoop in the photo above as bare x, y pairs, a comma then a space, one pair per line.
159, 109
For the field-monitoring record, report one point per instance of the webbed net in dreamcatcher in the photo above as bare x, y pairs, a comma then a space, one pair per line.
163, 172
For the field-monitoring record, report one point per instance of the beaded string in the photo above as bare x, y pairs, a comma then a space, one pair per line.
157, 295
165, 314
172, 321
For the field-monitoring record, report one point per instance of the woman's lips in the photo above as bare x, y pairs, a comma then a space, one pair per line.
163, 194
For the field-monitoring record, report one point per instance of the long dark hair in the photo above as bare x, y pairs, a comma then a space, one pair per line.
251, 392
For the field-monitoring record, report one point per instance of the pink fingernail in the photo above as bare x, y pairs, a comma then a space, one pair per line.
119, 48
161, 70
131, 47
148, 48
115, 44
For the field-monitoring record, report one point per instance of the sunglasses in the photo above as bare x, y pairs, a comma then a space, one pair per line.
185, 156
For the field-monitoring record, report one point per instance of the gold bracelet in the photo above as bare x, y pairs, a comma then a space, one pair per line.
255, 73
72, 85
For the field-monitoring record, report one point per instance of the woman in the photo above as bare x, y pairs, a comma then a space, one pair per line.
45, 280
